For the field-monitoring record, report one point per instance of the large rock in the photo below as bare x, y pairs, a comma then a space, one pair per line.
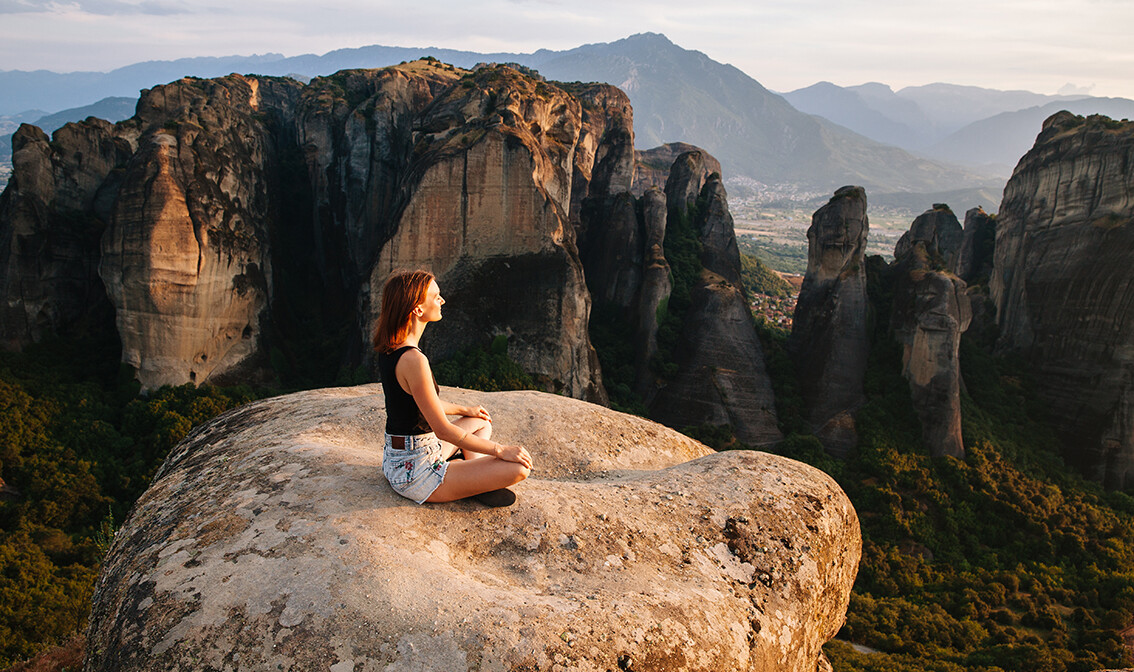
829, 337
488, 215
938, 230
270, 540
722, 378
930, 311
52, 215
651, 166
1063, 284
973, 262
185, 256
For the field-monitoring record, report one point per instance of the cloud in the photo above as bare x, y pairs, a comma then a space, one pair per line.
96, 7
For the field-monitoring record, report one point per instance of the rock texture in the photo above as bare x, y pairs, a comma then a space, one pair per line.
185, 256
652, 165
1064, 286
930, 311
269, 540
940, 232
829, 337
973, 261
239, 215
489, 215
721, 377
52, 215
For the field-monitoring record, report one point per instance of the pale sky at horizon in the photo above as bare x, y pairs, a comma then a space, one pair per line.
1036, 45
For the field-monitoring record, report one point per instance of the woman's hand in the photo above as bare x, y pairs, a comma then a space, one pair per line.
515, 454
476, 412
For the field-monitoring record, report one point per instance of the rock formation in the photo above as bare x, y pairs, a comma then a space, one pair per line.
939, 230
1063, 284
721, 377
185, 256
270, 540
651, 166
52, 216
241, 211
974, 260
930, 311
489, 215
829, 337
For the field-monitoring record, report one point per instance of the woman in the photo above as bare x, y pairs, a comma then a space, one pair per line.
420, 438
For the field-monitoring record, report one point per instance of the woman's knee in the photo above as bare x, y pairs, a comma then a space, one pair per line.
522, 472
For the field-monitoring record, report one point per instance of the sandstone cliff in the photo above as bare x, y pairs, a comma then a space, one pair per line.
651, 166
241, 214
185, 256
1063, 284
721, 376
930, 311
269, 540
829, 338
489, 215
52, 216
974, 260
939, 231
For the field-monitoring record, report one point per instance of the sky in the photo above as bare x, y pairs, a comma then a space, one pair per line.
1045, 46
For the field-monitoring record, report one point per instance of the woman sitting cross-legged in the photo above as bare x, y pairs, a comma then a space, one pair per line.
420, 439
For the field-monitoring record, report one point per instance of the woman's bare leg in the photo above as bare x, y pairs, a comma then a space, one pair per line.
478, 426
465, 478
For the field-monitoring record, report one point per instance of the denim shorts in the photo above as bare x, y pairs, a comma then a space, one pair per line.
417, 470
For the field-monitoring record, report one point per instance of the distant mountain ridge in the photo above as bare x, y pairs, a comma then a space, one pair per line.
984, 129
677, 94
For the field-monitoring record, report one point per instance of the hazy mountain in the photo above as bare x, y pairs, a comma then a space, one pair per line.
951, 106
914, 117
677, 95
866, 110
998, 142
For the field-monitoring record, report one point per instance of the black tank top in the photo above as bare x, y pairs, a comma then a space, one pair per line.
403, 417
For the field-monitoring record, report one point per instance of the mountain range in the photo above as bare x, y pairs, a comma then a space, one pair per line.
982, 129
816, 139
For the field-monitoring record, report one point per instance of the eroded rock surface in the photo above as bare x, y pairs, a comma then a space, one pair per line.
270, 540
722, 378
938, 230
974, 260
52, 215
829, 337
930, 312
1063, 284
489, 215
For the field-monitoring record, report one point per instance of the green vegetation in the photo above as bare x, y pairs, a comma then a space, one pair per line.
77, 446
486, 368
759, 279
1002, 561
781, 257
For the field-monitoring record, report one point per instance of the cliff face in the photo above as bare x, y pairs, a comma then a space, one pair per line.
1063, 284
974, 260
218, 213
721, 377
829, 337
489, 214
930, 312
938, 230
185, 256
270, 540
52, 216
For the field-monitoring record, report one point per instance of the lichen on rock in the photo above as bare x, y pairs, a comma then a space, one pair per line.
270, 540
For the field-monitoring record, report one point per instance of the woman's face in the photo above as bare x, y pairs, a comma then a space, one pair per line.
431, 307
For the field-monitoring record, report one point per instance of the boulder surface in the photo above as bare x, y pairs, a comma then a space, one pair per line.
270, 540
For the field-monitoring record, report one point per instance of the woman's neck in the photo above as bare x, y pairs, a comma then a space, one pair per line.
417, 327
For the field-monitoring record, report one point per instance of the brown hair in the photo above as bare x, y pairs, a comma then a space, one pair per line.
404, 291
